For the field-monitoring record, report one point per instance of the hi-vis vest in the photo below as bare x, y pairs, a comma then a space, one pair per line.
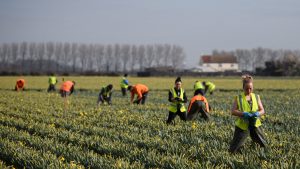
198, 85
211, 86
106, 92
244, 106
173, 106
52, 80
123, 84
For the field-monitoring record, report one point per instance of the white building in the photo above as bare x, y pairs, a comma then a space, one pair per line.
219, 63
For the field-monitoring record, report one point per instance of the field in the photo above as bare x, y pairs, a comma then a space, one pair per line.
38, 131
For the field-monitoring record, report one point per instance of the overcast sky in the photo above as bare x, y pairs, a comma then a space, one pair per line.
196, 25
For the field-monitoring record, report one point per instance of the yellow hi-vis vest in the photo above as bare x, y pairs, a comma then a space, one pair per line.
211, 86
123, 84
52, 80
106, 93
198, 85
173, 106
244, 106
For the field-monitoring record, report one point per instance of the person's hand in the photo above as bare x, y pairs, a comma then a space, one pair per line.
246, 115
256, 114
178, 99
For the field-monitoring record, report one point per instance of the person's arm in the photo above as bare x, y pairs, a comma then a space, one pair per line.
261, 109
184, 98
71, 90
171, 99
132, 97
234, 109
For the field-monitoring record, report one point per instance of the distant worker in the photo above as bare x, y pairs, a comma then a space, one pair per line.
178, 98
248, 107
52, 82
67, 88
198, 88
20, 85
141, 91
198, 105
208, 87
124, 85
105, 94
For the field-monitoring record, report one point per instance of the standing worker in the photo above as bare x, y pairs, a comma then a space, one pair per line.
141, 91
178, 98
248, 108
198, 88
20, 85
124, 85
105, 94
52, 82
198, 104
209, 86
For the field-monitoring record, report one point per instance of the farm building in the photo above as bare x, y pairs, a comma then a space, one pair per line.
218, 63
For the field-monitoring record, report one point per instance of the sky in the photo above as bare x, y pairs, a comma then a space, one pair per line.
198, 26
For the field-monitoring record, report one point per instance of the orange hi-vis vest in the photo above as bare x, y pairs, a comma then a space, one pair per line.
20, 83
201, 98
139, 89
66, 86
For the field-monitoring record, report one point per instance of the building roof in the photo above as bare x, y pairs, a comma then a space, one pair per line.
218, 59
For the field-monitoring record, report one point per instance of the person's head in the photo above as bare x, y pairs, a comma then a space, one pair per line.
204, 83
247, 84
110, 87
73, 83
129, 87
178, 83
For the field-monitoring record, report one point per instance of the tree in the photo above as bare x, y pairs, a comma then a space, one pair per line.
178, 56
58, 53
117, 54
108, 57
49, 54
166, 59
74, 55
23, 52
82, 56
141, 55
99, 56
66, 55
159, 54
125, 55
149, 55
134, 57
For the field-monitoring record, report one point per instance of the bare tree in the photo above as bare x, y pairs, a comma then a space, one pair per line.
141, 55
108, 57
117, 54
66, 55
74, 55
23, 52
82, 56
125, 54
14, 54
90, 57
149, 55
32, 56
41, 54
99, 56
134, 57
4, 56
167, 49
49, 54
159, 54
178, 56
58, 55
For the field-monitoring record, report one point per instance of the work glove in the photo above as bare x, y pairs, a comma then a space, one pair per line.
256, 114
246, 115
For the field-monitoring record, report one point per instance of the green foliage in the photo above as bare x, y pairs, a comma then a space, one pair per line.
38, 131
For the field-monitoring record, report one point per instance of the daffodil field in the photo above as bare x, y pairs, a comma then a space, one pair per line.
38, 130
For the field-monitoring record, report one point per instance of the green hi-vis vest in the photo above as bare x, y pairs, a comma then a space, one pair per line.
173, 106
123, 84
106, 93
211, 86
52, 80
244, 106
198, 85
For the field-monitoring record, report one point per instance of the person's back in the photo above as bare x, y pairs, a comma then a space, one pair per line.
20, 84
66, 86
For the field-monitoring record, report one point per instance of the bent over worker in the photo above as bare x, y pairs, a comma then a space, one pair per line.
198, 88
248, 108
20, 85
67, 88
141, 91
208, 87
198, 105
178, 98
105, 94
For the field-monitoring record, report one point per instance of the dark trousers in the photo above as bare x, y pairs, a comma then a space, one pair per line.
142, 100
239, 138
123, 90
198, 107
51, 88
201, 91
172, 116
104, 99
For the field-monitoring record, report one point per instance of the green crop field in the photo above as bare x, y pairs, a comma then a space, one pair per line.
38, 131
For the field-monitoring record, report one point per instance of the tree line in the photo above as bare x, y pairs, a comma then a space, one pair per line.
266, 61
80, 58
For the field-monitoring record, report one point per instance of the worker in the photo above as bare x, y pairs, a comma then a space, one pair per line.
20, 85
198, 105
67, 88
124, 85
178, 98
248, 107
208, 87
198, 88
105, 94
52, 82
141, 91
